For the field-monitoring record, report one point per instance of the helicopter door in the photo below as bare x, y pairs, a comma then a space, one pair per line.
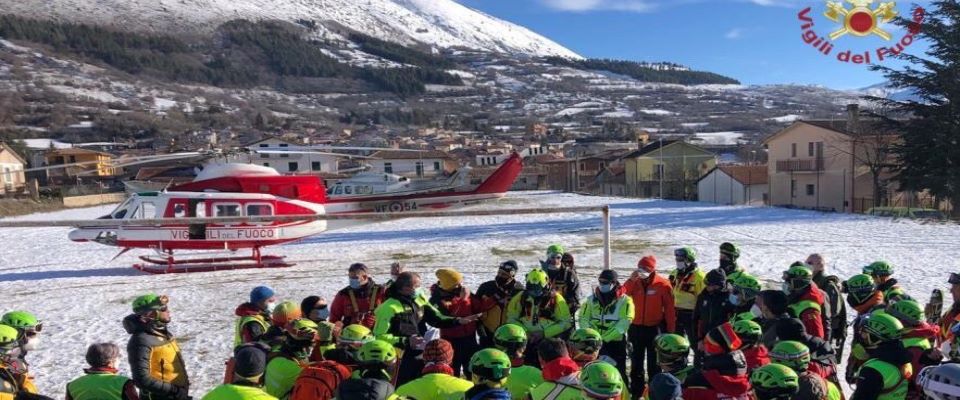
197, 209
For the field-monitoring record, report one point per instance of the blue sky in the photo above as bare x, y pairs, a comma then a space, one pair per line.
754, 41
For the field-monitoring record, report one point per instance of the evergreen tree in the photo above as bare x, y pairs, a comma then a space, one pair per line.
929, 153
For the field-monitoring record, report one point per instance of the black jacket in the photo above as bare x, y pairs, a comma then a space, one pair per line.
565, 282
892, 352
367, 387
711, 311
151, 351
838, 307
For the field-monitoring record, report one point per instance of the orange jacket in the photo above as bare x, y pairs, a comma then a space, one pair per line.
653, 302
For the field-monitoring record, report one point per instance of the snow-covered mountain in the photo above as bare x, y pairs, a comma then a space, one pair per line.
886, 91
442, 23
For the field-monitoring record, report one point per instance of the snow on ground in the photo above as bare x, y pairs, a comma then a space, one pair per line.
694, 124
729, 138
656, 111
785, 118
81, 295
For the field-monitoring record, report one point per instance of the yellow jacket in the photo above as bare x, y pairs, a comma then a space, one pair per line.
611, 321
549, 316
687, 287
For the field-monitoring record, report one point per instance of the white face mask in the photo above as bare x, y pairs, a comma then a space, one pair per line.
271, 305
681, 265
32, 344
755, 310
643, 274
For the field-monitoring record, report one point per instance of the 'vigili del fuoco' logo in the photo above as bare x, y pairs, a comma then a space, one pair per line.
859, 20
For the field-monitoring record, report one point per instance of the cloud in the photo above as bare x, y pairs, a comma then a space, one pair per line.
734, 34
592, 5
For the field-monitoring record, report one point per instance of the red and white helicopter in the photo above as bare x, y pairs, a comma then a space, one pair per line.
244, 190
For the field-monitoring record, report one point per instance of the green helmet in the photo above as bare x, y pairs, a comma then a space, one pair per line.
303, 329
601, 379
490, 364
21, 320
671, 348
798, 276
908, 311
9, 338
377, 352
355, 335
510, 338
775, 381
685, 253
731, 250
878, 268
859, 288
555, 250
586, 340
747, 285
881, 327
791, 353
537, 276
149, 302
748, 331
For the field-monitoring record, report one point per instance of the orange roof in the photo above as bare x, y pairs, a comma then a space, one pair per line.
746, 174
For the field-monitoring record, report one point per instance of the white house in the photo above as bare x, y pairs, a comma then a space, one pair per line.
11, 170
497, 157
291, 163
734, 184
412, 163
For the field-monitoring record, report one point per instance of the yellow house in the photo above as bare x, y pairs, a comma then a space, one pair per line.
666, 169
90, 163
11, 170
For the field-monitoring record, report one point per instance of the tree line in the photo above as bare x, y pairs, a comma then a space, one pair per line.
643, 72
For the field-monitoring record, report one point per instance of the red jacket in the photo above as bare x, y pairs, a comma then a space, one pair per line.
355, 306
756, 356
653, 302
463, 305
711, 385
811, 317
919, 357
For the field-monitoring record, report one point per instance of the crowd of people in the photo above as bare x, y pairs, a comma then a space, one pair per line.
689, 334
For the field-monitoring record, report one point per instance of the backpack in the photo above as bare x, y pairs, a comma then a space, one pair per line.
834, 316
319, 381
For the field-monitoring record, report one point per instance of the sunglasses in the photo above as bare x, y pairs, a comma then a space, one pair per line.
556, 257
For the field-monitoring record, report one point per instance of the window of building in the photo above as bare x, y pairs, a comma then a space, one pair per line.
264, 145
658, 172
810, 190
315, 165
819, 153
793, 149
810, 149
264, 155
284, 145
419, 167
436, 165
284, 155
388, 167
583, 166
266, 164
293, 166
793, 188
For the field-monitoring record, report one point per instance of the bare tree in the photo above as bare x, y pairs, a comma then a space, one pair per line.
871, 143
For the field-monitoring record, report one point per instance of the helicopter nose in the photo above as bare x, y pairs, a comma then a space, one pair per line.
81, 235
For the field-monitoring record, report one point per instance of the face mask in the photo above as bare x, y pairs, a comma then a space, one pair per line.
534, 291
755, 310
320, 314
420, 292
644, 274
733, 299
606, 288
355, 283
726, 265
682, 266
785, 287
551, 266
502, 280
271, 305
32, 344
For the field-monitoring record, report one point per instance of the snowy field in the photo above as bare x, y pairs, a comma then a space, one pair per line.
82, 296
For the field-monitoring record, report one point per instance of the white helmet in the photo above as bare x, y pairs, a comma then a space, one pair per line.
940, 382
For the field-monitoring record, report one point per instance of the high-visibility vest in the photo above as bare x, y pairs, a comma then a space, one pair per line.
895, 379
243, 321
97, 386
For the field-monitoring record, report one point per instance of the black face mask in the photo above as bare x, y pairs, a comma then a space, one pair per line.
727, 265
535, 291
502, 281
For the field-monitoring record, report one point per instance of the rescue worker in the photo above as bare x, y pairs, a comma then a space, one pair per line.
12, 376
754, 352
665, 387
326, 340
864, 298
453, 299
882, 274
560, 373
250, 364
294, 354
885, 376
806, 300
155, 361
952, 316
654, 313
378, 360
512, 340
772, 305
101, 381
743, 296
436, 381
282, 314
494, 296
400, 322
541, 311
601, 380
396, 268
562, 276
724, 371
584, 346
673, 355
315, 308
919, 338
729, 254
349, 342
774, 382
688, 282
29, 328
797, 356
253, 315
822, 356
713, 308
490, 369
610, 311
831, 285
355, 303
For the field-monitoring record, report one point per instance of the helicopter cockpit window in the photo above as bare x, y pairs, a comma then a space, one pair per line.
364, 189
146, 210
121, 210
255, 210
226, 210
179, 211
348, 190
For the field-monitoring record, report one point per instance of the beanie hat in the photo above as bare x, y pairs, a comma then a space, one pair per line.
721, 339
791, 329
250, 360
438, 351
449, 278
774, 300
665, 387
716, 277
609, 274
260, 293
310, 303
648, 263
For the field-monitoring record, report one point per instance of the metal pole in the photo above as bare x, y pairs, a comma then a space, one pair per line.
661, 170
606, 237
